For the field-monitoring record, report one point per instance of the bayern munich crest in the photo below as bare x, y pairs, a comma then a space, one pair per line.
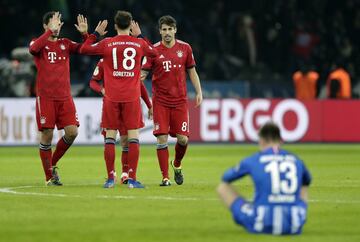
179, 53
62, 47
42, 120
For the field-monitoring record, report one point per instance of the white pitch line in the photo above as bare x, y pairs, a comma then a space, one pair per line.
11, 190
335, 201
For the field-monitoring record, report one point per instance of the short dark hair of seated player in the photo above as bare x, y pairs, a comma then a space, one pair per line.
270, 132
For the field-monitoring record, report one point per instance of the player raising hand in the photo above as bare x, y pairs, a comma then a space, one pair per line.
54, 103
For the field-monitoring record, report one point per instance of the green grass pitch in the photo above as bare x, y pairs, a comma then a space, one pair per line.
82, 210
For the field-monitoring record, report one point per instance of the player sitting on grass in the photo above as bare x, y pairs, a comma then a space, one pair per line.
281, 183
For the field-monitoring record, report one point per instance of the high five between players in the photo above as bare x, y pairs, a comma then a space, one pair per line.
170, 60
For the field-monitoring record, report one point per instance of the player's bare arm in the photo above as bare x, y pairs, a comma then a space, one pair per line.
195, 80
150, 113
227, 193
82, 25
304, 193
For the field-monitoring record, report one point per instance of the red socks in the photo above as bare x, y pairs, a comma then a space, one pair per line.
48, 159
179, 154
61, 147
163, 158
45, 155
109, 155
133, 157
124, 159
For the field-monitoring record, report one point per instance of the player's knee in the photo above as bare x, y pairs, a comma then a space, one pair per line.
182, 140
162, 139
46, 136
71, 135
124, 141
110, 133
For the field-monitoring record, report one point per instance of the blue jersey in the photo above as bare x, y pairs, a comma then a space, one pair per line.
278, 176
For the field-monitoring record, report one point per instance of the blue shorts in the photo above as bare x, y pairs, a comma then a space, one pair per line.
243, 213
269, 219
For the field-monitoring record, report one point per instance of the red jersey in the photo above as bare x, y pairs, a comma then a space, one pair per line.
98, 75
169, 72
52, 63
122, 64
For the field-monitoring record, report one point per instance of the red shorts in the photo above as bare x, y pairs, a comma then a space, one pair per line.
61, 113
171, 120
122, 129
121, 116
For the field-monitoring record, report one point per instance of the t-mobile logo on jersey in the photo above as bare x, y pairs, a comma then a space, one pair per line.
167, 65
52, 56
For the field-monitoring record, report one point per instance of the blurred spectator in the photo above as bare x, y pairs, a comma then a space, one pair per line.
243, 36
338, 83
304, 43
17, 75
305, 81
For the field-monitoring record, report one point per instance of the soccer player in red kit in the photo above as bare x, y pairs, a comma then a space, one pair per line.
122, 66
171, 114
54, 104
96, 86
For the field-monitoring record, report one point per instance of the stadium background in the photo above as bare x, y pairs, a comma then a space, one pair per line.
246, 53
243, 49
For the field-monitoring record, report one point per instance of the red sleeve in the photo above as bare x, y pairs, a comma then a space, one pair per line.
85, 36
145, 96
190, 61
37, 44
97, 77
147, 63
88, 48
149, 51
75, 47
147, 41
95, 85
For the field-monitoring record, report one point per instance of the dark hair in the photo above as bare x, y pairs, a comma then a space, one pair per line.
123, 19
47, 16
168, 20
270, 132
